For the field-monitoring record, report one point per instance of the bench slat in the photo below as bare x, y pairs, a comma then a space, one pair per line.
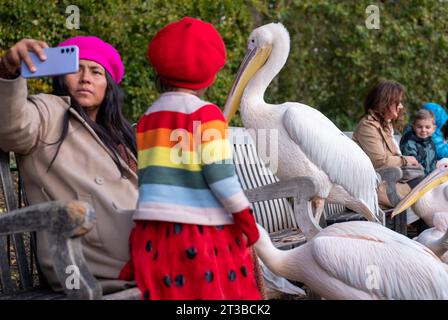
11, 204
35, 294
5, 272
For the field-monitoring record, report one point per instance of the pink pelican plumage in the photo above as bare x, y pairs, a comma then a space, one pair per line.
359, 260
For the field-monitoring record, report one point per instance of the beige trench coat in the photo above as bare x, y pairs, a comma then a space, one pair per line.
83, 170
380, 147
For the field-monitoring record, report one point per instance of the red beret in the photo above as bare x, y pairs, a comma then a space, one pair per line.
187, 53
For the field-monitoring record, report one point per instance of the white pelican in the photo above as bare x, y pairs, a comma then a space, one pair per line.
436, 238
309, 144
359, 260
429, 196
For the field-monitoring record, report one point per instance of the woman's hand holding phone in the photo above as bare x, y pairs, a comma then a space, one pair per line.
21, 52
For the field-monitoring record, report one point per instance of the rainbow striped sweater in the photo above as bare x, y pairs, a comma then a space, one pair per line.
185, 165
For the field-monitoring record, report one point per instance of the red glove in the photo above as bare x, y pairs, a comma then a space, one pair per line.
245, 221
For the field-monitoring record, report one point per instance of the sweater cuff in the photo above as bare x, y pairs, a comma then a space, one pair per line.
5, 73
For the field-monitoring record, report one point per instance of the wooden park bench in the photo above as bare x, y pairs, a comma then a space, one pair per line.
67, 222
276, 205
277, 216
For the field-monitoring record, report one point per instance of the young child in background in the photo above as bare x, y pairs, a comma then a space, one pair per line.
418, 141
193, 222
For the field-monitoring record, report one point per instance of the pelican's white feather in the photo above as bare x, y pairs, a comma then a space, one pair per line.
333, 152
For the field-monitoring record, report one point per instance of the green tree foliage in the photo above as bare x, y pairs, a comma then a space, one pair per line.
129, 26
334, 58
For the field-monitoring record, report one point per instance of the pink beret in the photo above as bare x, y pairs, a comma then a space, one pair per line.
94, 49
187, 53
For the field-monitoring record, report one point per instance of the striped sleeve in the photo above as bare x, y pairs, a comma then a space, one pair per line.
217, 162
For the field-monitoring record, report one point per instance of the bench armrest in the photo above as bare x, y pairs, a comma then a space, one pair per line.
298, 187
391, 175
64, 223
301, 189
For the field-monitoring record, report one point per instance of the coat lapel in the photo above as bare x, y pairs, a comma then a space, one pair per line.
95, 136
386, 137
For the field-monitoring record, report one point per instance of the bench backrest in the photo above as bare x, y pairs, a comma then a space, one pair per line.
273, 215
17, 250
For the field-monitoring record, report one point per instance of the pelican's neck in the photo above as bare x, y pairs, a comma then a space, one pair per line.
444, 242
281, 262
254, 92
435, 240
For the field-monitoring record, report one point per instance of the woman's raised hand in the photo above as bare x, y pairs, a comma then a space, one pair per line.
20, 51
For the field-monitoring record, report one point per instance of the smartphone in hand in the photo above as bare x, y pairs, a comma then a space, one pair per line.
60, 60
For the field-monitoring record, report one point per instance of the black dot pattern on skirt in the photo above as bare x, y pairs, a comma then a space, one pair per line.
167, 281
238, 242
219, 227
231, 275
208, 276
148, 246
191, 253
180, 280
243, 271
177, 228
146, 295
156, 255
167, 232
216, 251
230, 247
201, 229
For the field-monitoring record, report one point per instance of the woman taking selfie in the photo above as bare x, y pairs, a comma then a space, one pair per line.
75, 144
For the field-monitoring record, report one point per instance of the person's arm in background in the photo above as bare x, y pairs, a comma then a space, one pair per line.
408, 147
371, 141
219, 172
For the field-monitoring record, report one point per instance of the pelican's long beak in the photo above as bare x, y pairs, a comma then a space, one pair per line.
252, 62
436, 178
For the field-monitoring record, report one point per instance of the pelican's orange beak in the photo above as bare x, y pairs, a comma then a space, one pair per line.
436, 178
252, 62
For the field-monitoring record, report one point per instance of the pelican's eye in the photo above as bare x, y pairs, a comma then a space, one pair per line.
251, 45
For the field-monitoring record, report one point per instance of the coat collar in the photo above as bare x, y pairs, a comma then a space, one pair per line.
387, 136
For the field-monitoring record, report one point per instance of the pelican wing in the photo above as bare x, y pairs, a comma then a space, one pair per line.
374, 259
332, 151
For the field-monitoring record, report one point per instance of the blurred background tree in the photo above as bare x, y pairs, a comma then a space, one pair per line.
334, 57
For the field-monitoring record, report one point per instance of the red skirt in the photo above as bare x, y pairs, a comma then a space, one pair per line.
175, 261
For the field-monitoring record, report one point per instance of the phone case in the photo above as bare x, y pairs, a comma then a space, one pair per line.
60, 60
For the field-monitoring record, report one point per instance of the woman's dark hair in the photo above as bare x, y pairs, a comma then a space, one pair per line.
444, 130
110, 126
384, 94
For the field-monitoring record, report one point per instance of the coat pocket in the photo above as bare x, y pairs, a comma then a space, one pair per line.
93, 236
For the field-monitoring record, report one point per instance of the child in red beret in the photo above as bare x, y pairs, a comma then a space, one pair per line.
193, 222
